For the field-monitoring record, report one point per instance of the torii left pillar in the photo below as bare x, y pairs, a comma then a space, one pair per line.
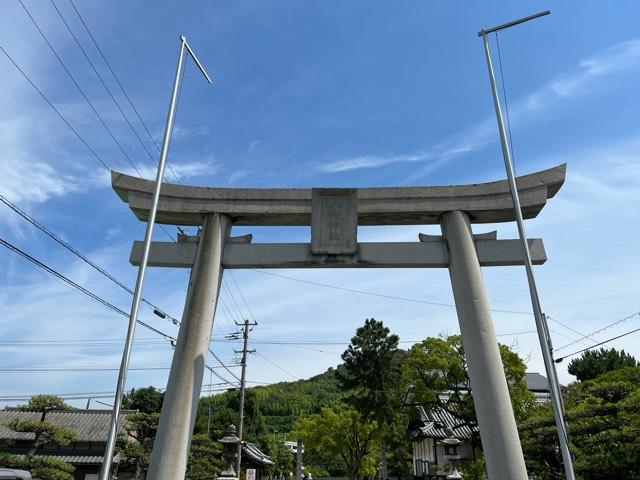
171, 446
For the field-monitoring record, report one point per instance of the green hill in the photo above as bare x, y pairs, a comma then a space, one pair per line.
269, 409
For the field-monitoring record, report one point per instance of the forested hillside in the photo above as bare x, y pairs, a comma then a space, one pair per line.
272, 408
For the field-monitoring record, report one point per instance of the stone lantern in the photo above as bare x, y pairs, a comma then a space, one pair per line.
451, 444
230, 444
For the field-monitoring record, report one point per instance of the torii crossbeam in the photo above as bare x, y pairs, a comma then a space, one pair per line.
334, 215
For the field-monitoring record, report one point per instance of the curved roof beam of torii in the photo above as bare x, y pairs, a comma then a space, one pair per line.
484, 202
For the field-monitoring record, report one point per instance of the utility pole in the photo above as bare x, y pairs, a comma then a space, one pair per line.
540, 317
244, 351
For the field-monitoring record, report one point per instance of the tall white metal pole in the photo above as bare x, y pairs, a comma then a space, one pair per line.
107, 460
541, 324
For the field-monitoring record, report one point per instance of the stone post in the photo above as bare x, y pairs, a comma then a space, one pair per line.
171, 446
498, 432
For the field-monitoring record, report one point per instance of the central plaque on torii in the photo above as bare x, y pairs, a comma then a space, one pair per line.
334, 221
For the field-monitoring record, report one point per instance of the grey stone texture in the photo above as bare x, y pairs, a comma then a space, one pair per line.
178, 416
498, 432
425, 254
484, 202
334, 221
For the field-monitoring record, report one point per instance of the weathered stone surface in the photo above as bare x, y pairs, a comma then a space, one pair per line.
429, 254
484, 202
334, 221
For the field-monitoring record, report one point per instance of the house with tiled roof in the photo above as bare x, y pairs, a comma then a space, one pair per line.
85, 453
438, 438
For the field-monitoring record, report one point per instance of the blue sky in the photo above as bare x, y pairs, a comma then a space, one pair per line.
315, 94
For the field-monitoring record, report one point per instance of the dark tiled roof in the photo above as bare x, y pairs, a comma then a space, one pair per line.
437, 422
255, 454
536, 382
78, 459
89, 425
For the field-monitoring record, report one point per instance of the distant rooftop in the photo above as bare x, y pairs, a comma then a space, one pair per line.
89, 425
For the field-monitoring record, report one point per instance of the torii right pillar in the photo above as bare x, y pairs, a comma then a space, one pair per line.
498, 431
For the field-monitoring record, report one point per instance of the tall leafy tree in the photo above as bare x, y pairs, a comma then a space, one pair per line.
438, 366
371, 374
343, 431
593, 363
145, 400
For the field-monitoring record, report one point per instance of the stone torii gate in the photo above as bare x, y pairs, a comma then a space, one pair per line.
334, 215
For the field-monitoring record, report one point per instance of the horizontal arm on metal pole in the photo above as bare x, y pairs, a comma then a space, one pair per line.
513, 23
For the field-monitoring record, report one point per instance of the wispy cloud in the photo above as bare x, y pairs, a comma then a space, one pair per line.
238, 175
183, 171
25, 177
620, 58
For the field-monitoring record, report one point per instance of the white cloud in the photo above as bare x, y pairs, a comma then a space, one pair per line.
619, 58
238, 175
26, 177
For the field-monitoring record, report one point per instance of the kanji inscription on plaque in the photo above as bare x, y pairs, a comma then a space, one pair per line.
334, 221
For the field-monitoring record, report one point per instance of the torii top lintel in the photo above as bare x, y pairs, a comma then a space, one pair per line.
484, 202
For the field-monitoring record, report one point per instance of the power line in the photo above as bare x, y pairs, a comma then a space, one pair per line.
106, 87
78, 287
153, 341
66, 69
66, 245
558, 360
277, 366
64, 119
606, 327
44, 97
95, 43
157, 310
223, 366
404, 299
375, 294
233, 300
244, 300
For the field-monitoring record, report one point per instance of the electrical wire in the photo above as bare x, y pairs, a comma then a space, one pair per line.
560, 359
375, 294
64, 119
104, 84
244, 300
84, 95
277, 366
157, 310
133, 107
79, 287
506, 104
44, 97
606, 327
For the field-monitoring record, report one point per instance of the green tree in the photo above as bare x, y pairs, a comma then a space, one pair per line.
45, 433
145, 400
205, 459
371, 377
593, 363
438, 365
142, 427
603, 418
343, 431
